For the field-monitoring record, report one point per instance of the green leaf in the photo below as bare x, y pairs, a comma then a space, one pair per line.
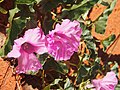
1, 1
38, 1
48, 5
118, 86
25, 10
25, 1
12, 13
83, 72
17, 27
2, 51
57, 84
108, 41
47, 87
88, 38
76, 10
100, 24
114, 67
94, 69
68, 85
86, 35
52, 64
64, 67
91, 44
56, 81
68, 1
47, 25
3, 11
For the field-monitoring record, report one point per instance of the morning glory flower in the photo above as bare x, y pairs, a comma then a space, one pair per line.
64, 40
24, 48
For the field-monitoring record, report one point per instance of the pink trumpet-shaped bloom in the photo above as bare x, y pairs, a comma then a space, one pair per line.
64, 40
24, 48
109, 82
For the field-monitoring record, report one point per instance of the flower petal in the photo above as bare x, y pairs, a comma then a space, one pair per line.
36, 37
96, 83
19, 41
27, 62
16, 48
107, 83
40, 49
60, 46
15, 52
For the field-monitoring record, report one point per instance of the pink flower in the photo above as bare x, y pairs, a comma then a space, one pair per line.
64, 40
107, 83
24, 48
